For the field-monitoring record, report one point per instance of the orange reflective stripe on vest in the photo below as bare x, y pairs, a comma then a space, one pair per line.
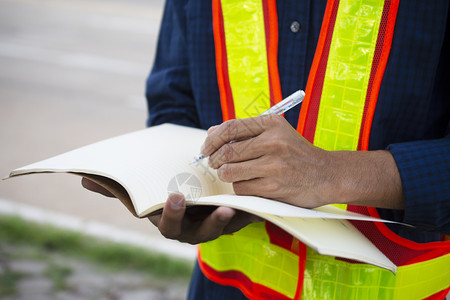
341, 96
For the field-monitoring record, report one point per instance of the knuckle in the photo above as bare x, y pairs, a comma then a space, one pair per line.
278, 144
283, 146
227, 152
210, 146
254, 125
213, 163
230, 130
225, 173
272, 119
238, 188
273, 187
277, 119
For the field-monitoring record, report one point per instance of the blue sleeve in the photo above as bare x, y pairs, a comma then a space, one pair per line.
424, 164
168, 91
425, 172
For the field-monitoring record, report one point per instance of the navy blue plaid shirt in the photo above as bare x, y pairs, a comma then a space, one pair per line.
411, 118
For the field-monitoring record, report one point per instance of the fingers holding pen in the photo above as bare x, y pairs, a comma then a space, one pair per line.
239, 151
239, 140
234, 130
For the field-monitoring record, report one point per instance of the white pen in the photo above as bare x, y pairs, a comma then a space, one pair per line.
279, 108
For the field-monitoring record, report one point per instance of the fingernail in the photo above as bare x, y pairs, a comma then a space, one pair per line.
227, 214
224, 218
176, 202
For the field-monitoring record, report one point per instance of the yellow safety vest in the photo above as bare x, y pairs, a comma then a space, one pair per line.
261, 259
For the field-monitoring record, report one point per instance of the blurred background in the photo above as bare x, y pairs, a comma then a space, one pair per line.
73, 73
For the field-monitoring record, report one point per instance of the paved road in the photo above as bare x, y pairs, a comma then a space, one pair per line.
72, 73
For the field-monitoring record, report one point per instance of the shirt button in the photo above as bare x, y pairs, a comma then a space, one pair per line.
295, 27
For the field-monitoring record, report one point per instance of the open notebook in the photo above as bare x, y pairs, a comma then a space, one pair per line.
141, 168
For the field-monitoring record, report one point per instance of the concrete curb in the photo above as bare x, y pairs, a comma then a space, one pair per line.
98, 229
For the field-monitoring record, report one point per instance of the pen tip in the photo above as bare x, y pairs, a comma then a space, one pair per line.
197, 159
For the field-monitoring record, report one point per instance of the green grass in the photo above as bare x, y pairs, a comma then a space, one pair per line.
8, 280
58, 274
113, 256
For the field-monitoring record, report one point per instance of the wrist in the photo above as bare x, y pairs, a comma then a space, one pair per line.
368, 178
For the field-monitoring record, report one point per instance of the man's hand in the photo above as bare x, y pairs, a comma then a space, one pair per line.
264, 156
197, 224
191, 225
